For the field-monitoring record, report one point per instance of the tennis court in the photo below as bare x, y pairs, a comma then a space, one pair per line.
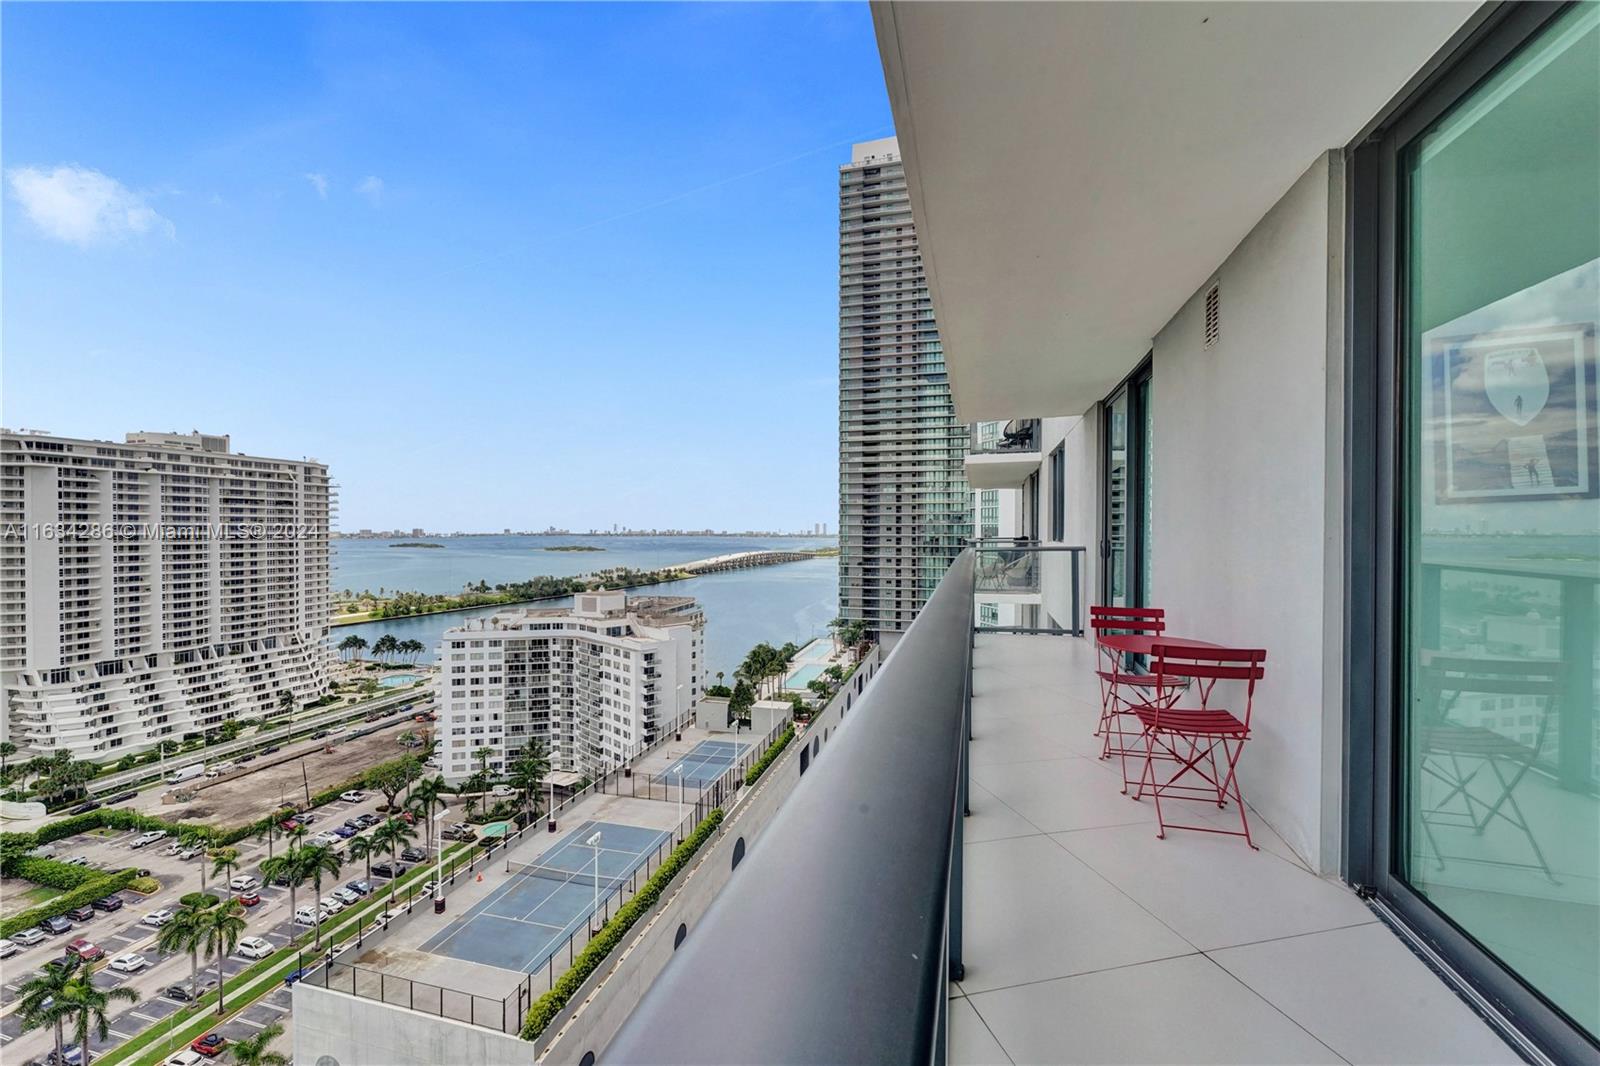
524, 921
708, 761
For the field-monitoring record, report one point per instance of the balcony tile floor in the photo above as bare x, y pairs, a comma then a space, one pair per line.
1089, 940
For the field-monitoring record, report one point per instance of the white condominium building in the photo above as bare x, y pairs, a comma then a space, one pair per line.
592, 683
156, 587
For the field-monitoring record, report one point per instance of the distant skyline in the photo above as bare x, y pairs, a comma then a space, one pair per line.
497, 265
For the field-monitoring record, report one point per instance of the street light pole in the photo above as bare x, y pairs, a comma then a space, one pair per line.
679, 771
594, 917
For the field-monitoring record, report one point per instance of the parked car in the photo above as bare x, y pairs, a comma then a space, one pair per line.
77, 860
248, 756
128, 962
269, 749
28, 937
384, 869
210, 1045
71, 1055
184, 1058
294, 975
156, 919
414, 855
87, 950
360, 888
346, 896
108, 904
408, 818
355, 795
288, 825
310, 916
249, 898
344, 832
192, 851
146, 839
55, 926
85, 808
61, 964
81, 914
124, 797
254, 947
8, 949
305, 817
184, 994
319, 734
367, 821
173, 848
243, 883
331, 904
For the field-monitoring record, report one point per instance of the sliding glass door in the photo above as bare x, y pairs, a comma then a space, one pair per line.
1126, 493
1484, 205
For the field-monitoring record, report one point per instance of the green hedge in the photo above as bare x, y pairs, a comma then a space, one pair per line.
86, 893
48, 872
772, 752
111, 818
547, 1006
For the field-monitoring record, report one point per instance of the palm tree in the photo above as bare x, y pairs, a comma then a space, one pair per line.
296, 835
42, 1001
316, 860
526, 774
252, 1050
218, 934
483, 755
7, 749
269, 834
182, 934
287, 702
361, 848
286, 866
427, 797
89, 1004
224, 861
392, 836
193, 838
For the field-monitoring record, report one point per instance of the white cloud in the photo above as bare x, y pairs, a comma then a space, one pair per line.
319, 182
372, 188
83, 206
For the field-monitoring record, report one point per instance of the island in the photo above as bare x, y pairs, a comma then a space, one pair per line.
415, 544
573, 548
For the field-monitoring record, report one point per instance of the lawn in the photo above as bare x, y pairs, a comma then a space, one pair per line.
17, 901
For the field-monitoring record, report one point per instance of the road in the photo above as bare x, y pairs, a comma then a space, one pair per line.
120, 931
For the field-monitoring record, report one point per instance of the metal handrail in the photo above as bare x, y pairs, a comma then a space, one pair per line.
836, 937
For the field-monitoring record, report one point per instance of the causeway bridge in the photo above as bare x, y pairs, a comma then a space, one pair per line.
745, 561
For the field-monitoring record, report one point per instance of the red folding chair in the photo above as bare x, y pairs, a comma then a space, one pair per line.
1193, 737
1115, 676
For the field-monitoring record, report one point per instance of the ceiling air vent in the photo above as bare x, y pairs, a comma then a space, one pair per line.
1213, 316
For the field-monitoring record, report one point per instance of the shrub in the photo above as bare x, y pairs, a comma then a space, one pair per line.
547, 1006
772, 752
198, 899
103, 885
48, 872
145, 886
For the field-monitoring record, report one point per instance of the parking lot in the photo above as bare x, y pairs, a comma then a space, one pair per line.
120, 931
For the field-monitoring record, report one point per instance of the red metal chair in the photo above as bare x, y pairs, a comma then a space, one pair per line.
1114, 674
1193, 737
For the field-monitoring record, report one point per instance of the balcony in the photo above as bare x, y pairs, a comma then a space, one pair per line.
1001, 455
1072, 933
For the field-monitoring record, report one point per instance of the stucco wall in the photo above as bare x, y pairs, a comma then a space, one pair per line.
1246, 545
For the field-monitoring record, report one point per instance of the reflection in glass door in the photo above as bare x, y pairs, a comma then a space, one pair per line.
1497, 824
1125, 493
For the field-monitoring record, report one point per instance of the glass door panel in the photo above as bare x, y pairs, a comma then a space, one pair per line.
1498, 824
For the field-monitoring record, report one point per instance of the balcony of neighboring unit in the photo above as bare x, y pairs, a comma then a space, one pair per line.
1001, 455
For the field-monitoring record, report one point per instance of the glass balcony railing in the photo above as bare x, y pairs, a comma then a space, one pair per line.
878, 819
1001, 438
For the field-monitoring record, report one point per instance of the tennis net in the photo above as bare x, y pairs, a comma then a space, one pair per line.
556, 873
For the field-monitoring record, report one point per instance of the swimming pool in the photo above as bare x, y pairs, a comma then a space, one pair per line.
399, 680
803, 675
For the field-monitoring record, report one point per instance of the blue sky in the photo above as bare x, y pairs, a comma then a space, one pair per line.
498, 265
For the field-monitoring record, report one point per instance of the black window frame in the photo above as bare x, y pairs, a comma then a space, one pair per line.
1374, 439
1058, 493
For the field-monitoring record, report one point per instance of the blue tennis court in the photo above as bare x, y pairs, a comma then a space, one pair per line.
708, 761
524, 921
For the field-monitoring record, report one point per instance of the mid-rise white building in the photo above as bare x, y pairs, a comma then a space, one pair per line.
593, 683
156, 587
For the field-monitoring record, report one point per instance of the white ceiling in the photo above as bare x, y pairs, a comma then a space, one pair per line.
1078, 170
